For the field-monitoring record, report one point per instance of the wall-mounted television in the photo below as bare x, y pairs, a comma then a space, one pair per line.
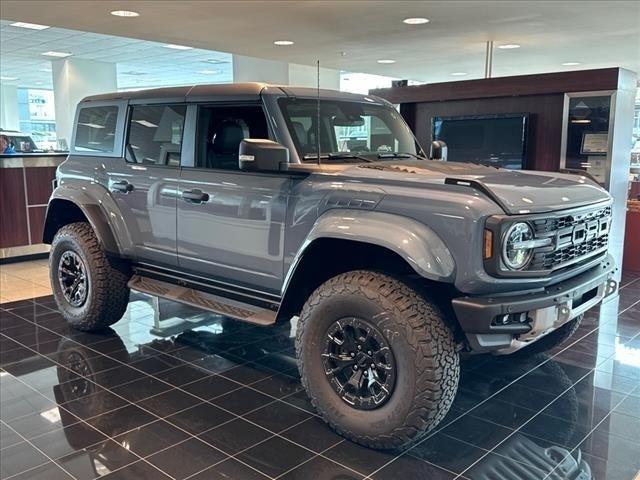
495, 140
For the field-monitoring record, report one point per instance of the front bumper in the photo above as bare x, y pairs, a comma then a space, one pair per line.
535, 314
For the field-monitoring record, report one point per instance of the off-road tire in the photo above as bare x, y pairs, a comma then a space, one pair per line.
108, 293
423, 346
555, 338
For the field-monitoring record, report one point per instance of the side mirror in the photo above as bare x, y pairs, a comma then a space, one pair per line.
438, 150
260, 154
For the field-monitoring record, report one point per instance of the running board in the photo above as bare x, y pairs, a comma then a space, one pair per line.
206, 301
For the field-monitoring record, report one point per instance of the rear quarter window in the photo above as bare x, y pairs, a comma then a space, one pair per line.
96, 129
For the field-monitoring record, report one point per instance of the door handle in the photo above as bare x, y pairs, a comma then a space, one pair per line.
122, 186
195, 196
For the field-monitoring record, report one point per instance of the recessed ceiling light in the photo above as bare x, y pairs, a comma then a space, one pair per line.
48, 70
210, 72
571, 64
508, 46
388, 60
177, 47
30, 26
57, 54
416, 21
459, 74
125, 13
283, 43
8, 79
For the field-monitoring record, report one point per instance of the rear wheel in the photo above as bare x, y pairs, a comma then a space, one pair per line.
90, 292
376, 359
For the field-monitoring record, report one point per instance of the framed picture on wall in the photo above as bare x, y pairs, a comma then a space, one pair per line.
594, 143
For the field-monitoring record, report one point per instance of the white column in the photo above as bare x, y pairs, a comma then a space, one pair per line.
307, 76
250, 69
74, 79
9, 116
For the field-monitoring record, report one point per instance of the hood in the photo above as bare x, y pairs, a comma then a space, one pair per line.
516, 191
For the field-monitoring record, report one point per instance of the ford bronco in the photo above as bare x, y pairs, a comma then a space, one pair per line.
271, 204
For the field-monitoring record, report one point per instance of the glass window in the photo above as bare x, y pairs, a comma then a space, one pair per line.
155, 134
222, 128
346, 127
96, 129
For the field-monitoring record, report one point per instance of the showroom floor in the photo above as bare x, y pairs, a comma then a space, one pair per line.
172, 392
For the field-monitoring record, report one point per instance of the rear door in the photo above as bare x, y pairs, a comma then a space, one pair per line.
145, 183
231, 223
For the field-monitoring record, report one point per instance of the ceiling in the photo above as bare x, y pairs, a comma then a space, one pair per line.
140, 63
352, 35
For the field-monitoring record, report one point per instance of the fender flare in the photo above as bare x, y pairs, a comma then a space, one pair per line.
101, 213
414, 241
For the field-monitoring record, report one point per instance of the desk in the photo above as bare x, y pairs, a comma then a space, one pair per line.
25, 188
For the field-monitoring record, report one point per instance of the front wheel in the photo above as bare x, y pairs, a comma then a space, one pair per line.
90, 292
376, 359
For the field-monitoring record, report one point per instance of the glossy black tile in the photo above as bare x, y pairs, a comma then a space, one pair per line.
277, 416
275, 456
235, 436
229, 469
211, 387
186, 458
313, 434
20, 457
242, 400
136, 471
199, 418
48, 471
407, 466
151, 438
356, 457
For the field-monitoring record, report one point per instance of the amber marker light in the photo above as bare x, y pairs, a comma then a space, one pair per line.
488, 244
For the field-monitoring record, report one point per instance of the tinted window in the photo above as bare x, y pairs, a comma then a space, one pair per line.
220, 131
96, 129
155, 134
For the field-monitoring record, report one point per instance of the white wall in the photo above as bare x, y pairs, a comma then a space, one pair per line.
9, 116
74, 79
250, 69
307, 76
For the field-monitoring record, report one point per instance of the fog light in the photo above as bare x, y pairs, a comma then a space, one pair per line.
510, 318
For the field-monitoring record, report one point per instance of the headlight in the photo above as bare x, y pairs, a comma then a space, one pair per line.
516, 248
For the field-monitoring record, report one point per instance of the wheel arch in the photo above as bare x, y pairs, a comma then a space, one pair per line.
343, 240
71, 206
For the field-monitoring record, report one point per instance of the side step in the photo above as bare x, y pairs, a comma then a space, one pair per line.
206, 301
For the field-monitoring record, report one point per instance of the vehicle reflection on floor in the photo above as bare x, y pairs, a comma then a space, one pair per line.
172, 392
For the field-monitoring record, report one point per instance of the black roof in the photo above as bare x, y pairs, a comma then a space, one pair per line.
223, 91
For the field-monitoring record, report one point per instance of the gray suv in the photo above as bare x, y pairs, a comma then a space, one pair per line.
271, 204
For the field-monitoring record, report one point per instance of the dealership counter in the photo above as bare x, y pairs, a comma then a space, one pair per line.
26, 182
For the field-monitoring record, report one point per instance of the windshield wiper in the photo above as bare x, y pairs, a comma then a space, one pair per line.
398, 155
336, 156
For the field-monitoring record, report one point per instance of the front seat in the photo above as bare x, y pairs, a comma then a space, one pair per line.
226, 144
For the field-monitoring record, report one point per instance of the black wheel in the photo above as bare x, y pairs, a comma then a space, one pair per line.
555, 338
90, 292
376, 359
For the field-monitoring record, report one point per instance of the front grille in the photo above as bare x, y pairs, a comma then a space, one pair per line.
574, 237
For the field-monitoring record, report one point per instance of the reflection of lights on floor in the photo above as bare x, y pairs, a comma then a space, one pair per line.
53, 415
101, 469
626, 354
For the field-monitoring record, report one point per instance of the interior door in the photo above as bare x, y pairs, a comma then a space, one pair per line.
145, 186
231, 226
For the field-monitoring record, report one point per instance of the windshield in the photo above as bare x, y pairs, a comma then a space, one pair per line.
349, 131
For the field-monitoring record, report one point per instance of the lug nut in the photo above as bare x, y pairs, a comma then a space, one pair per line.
369, 352
359, 347
353, 354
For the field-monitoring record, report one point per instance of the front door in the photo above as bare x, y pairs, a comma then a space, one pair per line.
231, 223
145, 185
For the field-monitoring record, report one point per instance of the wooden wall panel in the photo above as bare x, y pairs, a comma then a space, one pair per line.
538, 84
39, 184
545, 122
13, 215
36, 223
